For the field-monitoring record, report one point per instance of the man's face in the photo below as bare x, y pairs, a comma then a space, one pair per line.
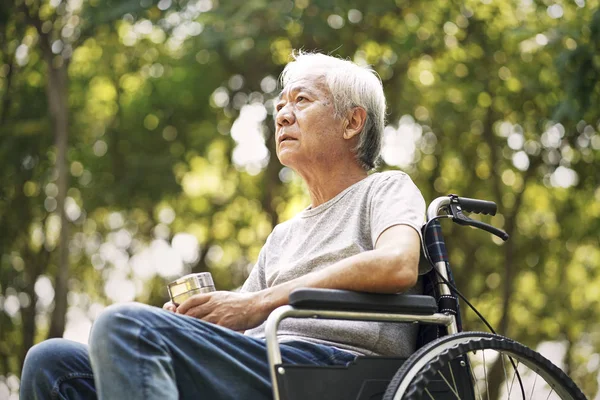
308, 133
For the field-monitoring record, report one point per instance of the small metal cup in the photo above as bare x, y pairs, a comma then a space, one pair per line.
185, 287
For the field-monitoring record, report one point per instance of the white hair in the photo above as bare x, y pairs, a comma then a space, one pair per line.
351, 86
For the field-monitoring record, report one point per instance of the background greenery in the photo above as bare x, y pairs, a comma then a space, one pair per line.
149, 123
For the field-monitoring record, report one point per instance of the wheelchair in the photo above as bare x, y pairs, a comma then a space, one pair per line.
448, 363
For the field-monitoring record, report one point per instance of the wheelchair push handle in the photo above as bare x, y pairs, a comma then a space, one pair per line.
458, 204
486, 227
477, 206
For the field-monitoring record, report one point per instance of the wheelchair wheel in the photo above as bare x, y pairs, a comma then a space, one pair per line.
477, 365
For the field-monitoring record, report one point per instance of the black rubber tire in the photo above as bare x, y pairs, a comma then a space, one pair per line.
412, 378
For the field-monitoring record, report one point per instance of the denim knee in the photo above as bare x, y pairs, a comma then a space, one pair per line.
43, 356
50, 361
112, 325
109, 317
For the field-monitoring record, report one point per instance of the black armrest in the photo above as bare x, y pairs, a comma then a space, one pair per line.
332, 299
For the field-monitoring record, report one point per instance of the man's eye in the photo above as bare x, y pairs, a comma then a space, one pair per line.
300, 98
279, 107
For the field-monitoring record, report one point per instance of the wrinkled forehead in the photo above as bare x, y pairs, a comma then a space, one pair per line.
311, 82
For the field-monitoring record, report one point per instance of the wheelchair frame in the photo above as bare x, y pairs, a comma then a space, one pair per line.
279, 314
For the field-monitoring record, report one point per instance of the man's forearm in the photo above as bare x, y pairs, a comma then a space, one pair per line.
381, 271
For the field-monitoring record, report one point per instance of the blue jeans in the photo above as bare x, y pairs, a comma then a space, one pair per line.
142, 352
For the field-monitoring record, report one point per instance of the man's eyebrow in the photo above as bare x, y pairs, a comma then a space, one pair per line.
296, 89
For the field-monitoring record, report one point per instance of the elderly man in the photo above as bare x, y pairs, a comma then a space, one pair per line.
360, 232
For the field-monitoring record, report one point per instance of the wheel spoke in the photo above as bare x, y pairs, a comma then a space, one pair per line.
505, 375
474, 379
430, 396
453, 379
487, 386
450, 386
513, 379
533, 387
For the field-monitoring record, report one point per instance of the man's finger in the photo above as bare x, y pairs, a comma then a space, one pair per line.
192, 302
199, 312
169, 306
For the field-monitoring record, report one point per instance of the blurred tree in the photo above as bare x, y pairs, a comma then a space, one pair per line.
170, 156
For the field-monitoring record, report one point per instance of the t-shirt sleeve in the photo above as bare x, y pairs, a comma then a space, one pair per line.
396, 200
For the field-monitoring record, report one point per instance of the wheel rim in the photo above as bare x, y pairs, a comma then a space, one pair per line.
531, 382
486, 359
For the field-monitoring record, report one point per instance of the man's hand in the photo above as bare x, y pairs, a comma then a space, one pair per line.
236, 311
169, 306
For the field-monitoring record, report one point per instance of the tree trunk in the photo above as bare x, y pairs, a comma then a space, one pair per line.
7, 96
57, 93
271, 181
496, 374
4, 349
33, 265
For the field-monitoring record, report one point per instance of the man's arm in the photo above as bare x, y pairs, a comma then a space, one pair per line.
390, 268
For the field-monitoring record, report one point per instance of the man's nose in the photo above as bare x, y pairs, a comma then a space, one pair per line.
285, 117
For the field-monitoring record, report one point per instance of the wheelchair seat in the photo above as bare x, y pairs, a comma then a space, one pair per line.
367, 377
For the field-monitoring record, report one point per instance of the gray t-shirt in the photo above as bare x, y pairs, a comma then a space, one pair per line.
348, 224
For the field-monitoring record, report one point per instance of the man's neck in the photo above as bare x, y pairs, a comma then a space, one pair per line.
324, 187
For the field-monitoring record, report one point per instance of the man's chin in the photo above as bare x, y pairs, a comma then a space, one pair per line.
286, 158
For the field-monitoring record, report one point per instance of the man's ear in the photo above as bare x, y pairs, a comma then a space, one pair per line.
355, 122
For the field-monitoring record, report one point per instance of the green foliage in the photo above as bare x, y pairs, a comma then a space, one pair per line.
492, 99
